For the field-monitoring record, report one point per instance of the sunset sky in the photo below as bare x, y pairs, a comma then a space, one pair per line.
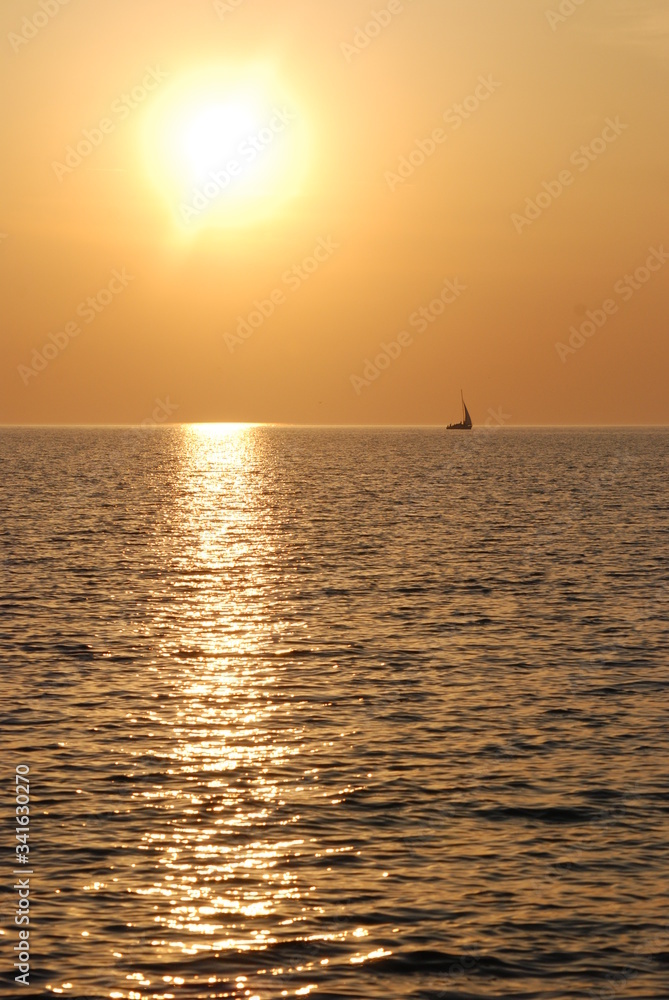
236, 209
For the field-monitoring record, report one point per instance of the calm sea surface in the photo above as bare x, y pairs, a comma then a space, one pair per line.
341, 713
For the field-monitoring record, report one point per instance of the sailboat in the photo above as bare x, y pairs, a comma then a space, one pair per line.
466, 422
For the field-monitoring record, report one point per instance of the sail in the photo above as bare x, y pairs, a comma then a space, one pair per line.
466, 422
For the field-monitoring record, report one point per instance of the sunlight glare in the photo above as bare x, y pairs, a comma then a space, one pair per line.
225, 148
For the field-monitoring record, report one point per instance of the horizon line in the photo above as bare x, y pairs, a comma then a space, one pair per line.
251, 423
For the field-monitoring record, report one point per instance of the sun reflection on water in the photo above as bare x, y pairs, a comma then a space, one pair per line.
224, 847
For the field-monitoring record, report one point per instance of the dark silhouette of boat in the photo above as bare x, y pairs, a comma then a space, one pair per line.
466, 422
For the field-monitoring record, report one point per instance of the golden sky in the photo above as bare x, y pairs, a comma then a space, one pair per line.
334, 211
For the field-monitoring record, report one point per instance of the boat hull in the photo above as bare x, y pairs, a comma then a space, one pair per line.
458, 427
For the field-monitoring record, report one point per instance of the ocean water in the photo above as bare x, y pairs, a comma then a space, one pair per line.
341, 713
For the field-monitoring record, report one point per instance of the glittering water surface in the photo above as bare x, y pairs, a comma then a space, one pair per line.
343, 713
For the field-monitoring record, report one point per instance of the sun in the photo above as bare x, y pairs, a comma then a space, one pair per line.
225, 149
211, 137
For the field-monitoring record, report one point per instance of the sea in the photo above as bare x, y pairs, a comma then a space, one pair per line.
368, 713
